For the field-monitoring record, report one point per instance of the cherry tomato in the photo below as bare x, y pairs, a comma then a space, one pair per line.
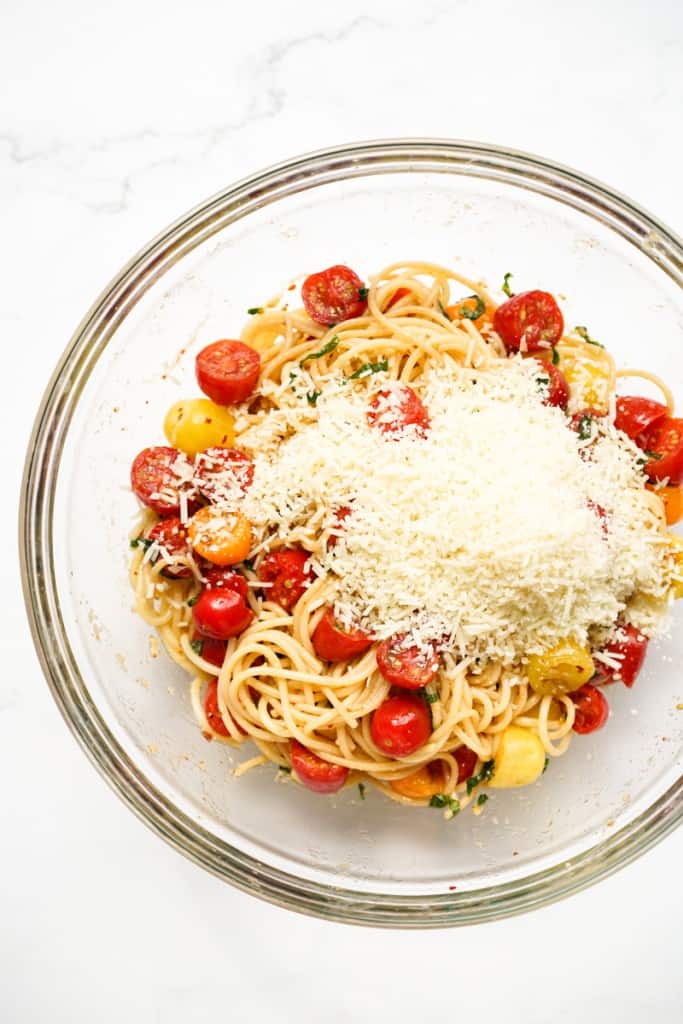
400, 293
634, 415
287, 571
220, 614
672, 499
212, 711
339, 516
592, 709
156, 481
467, 762
332, 642
529, 322
665, 440
556, 391
221, 537
228, 371
601, 514
333, 295
630, 648
171, 535
401, 725
427, 781
471, 309
393, 411
210, 650
582, 422
316, 774
405, 666
221, 474
218, 577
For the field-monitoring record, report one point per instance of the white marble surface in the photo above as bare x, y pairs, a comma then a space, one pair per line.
112, 122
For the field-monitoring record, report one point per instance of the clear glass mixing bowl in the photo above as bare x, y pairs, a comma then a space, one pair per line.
479, 208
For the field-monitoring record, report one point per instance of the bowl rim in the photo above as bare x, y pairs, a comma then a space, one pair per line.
69, 690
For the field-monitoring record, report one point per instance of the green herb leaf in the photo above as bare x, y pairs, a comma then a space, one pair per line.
482, 776
583, 333
556, 356
197, 646
473, 314
361, 790
438, 800
141, 542
193, 600
363, 294
585, 427
325, 350
430, 695
285, 769
547, 759
313, 396
506, 285
481, 799
653, 456
253, 310
444, 312
248, 563
367, 369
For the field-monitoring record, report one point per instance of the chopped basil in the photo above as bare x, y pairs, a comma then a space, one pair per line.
473, 314
313, 396
197, 646
481, 799
483, 776
585, 427
542, 382
363, 294
253, 310
141, 542
556, 356
441, 800
653, 456
193, 600
506, 285
430, 695
361, 790
367, 369
285, 769
444, 312
583, 333
547, 759
248, 563
325, 350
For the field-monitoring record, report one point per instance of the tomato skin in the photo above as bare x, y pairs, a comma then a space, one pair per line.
219, 577
222, 538
218, 467
467, 762
529, 322
558, 388
332, 642
333, 295
665, 438
211, 709
634, 414
152, 473
401, 725
286, 570
630, 648
221, 614
406, 667
392, 412
212, 650
171, 535
592, 709
400, 293
228, 371
316, 774
672, 499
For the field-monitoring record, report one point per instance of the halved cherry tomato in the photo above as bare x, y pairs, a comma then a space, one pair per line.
634, 414
212, 711
288, 572
401, 725
467, 762
407, 667
156, 480
228, 371
529, 322
332, 642
630, 648
221, 537
221, 614
672, 499
427, 781
315, 773
582, 422
219, 577
333, 295
393, 411
339, 516
592, 710
601, 514
171, 535
664, 439
221, 474
556, 391
211, 650
400, 293
470, 309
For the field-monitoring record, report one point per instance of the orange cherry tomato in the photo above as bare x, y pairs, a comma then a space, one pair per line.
470, 309
672, 497
426, 782
223, 538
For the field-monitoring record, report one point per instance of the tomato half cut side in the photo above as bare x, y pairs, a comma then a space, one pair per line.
171, 536
228, 371
316, 774
333, 642
223, 474
635, 414
591, 709
529, 322
664, 442
394, 411
288, 574
155, 478
629, 649
333, 295
407, 667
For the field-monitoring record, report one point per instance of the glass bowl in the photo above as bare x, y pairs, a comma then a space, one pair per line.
484, 210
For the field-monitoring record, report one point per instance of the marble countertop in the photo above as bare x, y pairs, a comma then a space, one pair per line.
113, 122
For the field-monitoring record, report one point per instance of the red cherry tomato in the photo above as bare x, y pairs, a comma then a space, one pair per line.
634, 415
333, 295
155, 479
212, 711
665, 440
529, 322
405, 666
629, 648
332, 642
401, 725
339, 517
221, 614
217, 577
171, 535
287, 571
592, 709
467, 762
556, 391
393, 411
222, 474
316, 774
210, 650
399, 294
228, 371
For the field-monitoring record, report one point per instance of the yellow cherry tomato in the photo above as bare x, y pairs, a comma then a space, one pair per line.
588, 377
677, 544
223, 538
519, 759
562, 669
672, 499
195, 424
426, 782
